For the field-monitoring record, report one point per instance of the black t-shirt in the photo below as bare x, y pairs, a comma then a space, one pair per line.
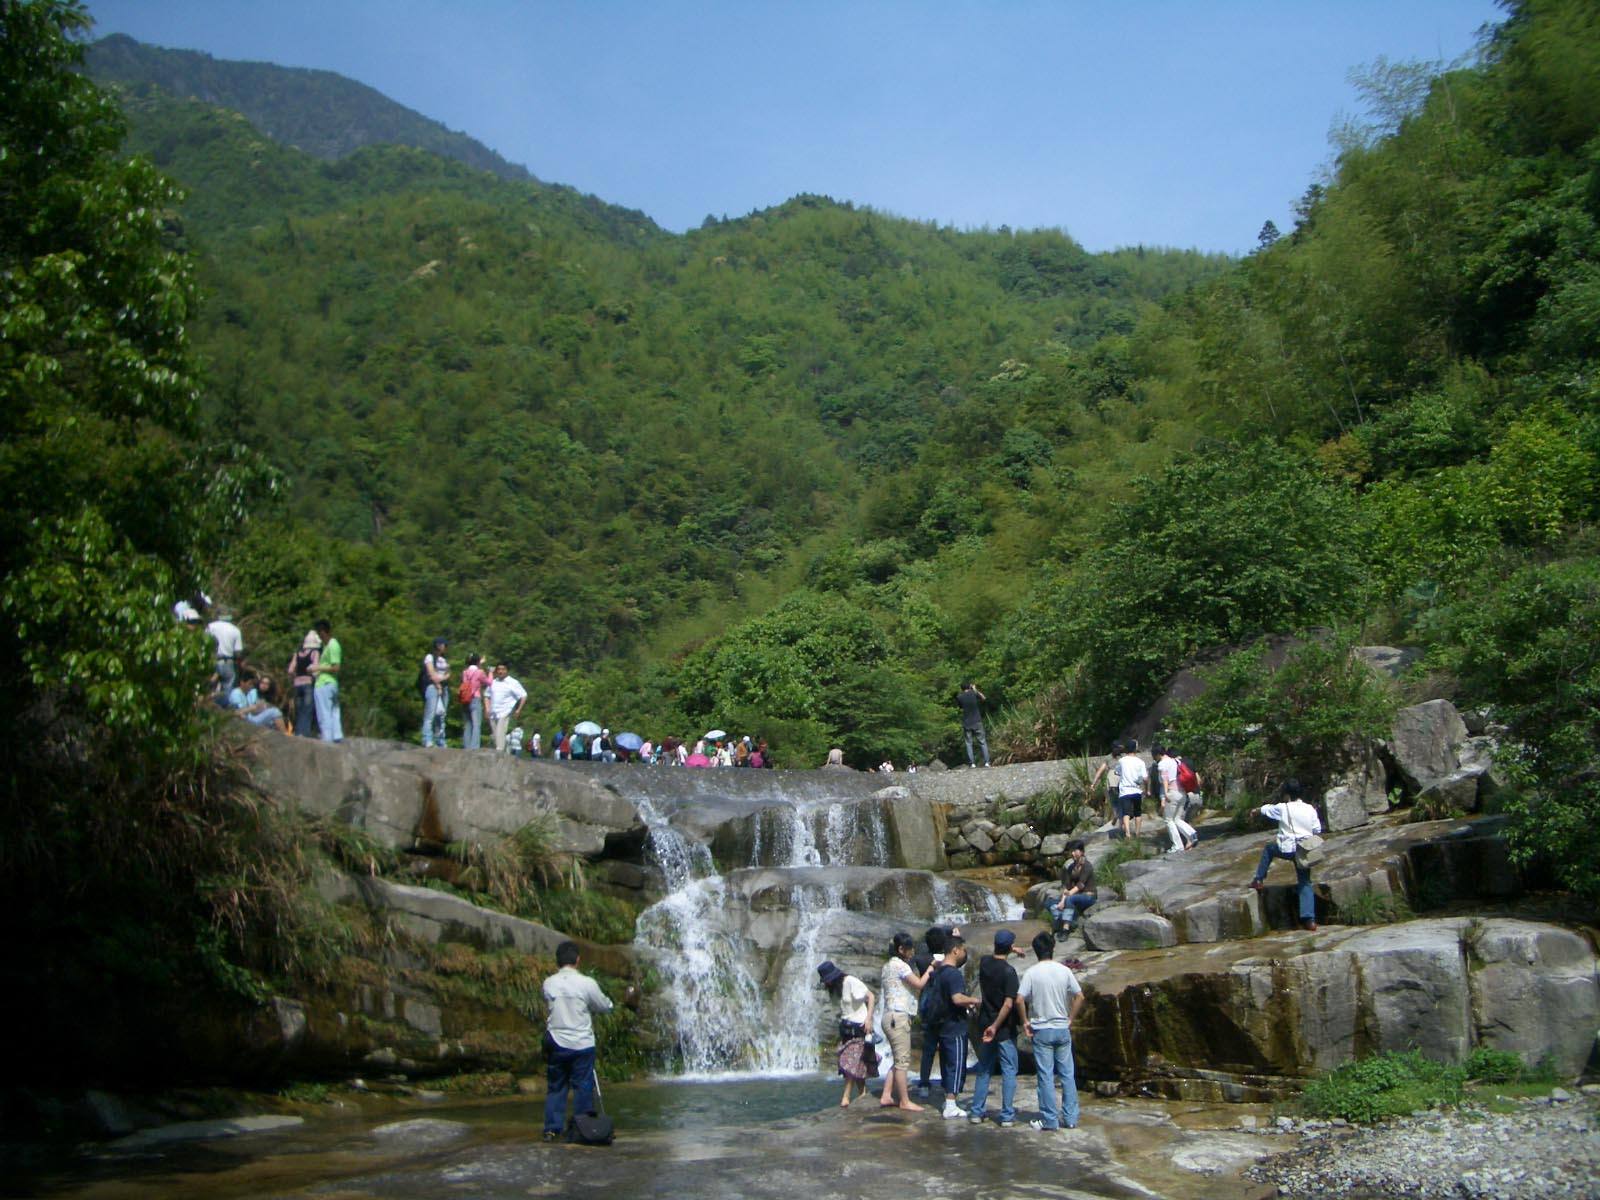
946, 982
997, 981
971, 709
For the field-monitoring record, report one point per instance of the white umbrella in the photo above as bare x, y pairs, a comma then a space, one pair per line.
716, 735
586, 728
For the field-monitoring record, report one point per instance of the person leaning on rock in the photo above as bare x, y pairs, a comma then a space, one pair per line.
1077, 890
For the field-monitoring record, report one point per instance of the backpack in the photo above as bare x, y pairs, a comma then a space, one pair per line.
423, 682
1187, 779
931, 1005
464, 692
590, 1129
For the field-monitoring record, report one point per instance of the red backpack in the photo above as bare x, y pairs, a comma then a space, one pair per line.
1187, 779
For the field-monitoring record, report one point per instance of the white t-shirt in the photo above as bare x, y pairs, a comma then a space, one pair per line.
1048, 988
1296, 819
504, 695
1131, 774
1168, 766
897, 996
571, 996
230, 642
440, 664
853, 996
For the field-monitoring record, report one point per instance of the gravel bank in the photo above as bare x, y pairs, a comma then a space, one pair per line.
1546, 1150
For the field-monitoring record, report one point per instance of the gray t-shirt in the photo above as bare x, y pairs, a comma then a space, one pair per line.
1047, 989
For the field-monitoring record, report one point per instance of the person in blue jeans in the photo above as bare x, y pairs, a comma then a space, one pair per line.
435, 694
1296, 819
571, 998
1077, 890
997, 1021
1051, 999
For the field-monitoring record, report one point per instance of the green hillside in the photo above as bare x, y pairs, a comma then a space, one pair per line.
803, 470
558, 430
320, 112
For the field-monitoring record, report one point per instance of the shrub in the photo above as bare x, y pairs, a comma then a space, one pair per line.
1109, 870
1385, 1085
1375, 908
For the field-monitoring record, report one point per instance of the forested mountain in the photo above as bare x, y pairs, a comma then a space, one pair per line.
800, 471
320, 112
556, 430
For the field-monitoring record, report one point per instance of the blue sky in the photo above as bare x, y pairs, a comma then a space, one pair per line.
1161, 122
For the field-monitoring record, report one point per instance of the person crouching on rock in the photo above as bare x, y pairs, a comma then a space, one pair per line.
1296, 819
857, 1059
1077, 890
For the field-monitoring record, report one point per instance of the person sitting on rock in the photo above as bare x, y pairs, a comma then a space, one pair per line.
1077, 890
1296, 819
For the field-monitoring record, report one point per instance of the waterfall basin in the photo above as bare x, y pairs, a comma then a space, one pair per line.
751, 1137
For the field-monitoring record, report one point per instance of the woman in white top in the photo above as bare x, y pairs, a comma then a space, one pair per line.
900, 980
856, 1058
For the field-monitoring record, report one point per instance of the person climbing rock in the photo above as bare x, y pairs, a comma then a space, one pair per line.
1297, 821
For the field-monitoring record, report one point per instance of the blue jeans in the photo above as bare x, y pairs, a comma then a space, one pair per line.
565, 1069
433, 702
305, 716
1077, 902
227, 675
267, 716
983, 741
988, 1052
1302, 879
952, 1057
329, 728
472, 724
1052, 1056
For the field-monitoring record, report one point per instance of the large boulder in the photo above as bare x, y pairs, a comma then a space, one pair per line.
1271, 1012
1358, 787
1387, 662
1127, 927
1425, 742
402, 796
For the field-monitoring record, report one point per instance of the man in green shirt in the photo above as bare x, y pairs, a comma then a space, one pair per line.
326, 692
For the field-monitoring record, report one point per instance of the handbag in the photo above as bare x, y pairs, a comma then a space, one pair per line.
1308, 850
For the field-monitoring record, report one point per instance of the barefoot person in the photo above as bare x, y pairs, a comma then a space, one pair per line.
898, 981
856, 1057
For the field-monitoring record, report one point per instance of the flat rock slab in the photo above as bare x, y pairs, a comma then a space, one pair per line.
195, 1131
422, 1132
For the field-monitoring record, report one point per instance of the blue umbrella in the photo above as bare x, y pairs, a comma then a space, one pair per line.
628, 741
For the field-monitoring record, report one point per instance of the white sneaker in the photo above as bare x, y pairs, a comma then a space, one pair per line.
952, 1111
1040, 1126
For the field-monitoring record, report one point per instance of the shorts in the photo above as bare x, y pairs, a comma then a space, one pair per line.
897, 1026
1131, 804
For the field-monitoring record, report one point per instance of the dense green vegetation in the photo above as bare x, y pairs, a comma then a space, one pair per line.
322, 113
802, 471
1397, 1083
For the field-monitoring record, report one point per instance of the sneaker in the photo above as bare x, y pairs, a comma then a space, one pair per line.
1007, 1124
1257, 886
952, 1111
1041, 1127
974, 1118
1311, 926
550, 1135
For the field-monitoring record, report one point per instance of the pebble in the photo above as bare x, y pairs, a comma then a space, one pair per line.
1540, 1152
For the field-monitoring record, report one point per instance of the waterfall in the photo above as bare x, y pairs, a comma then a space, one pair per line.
737, 955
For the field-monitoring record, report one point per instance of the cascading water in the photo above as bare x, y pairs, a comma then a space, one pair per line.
737, 955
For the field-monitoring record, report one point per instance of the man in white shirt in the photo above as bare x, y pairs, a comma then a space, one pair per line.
1132, 776
1296, 819
506, 698
570, 998
230, 649
1050, 999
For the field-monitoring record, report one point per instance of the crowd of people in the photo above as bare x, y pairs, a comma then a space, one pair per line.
310, 705
931, 989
